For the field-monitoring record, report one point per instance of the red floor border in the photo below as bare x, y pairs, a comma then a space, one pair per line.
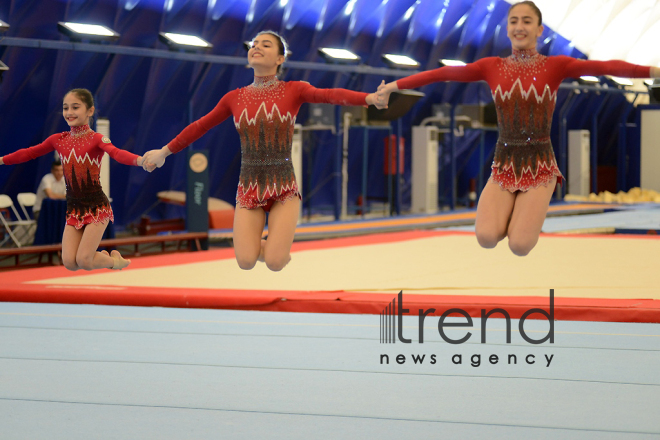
14, 288
565, 309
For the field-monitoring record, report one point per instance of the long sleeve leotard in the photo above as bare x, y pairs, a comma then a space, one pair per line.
264, 115
524, 87
80, 151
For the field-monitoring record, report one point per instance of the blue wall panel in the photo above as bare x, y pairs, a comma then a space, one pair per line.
148, 101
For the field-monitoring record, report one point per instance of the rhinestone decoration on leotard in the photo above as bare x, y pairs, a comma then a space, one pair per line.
266, 168
524, 157
523, 63
264, 115
80, 151
524, 88
85, 200
263, 87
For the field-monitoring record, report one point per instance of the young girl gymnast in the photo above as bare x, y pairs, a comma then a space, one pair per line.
524, 87
88, 208
264, 114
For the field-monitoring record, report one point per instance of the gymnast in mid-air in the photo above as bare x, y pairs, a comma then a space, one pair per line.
524, 87
88, 209
264, 114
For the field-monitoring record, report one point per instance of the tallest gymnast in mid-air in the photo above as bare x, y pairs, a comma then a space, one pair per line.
264, 114
524, 87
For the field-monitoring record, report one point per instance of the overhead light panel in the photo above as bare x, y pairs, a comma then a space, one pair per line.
83, 31
622, 81
3, 26
184, 41
349, 7
400, 61
452, 63
590, 79
648, 82
338, 55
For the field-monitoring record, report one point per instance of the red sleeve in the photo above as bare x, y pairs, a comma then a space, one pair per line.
121, 156
26, 154
199, 128
309, 93
574, 68
468, 73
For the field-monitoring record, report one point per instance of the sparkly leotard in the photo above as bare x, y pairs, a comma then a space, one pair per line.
524, 87
81, 151
264, 115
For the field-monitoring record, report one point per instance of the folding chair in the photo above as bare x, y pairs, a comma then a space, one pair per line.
26, 200
12, 226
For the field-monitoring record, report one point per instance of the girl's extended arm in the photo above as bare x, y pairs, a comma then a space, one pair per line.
30, 153
121, 156
156, 158
468, 73
309, 93
574, 68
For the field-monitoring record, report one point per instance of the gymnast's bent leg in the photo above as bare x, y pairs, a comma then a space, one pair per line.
282, 223
248, 227
493, 214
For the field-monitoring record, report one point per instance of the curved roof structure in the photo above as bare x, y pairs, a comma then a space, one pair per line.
607, 29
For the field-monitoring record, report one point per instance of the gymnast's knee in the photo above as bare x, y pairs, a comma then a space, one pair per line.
70, 263
276, 264
85, 261
246, 263
521, 247
488, 239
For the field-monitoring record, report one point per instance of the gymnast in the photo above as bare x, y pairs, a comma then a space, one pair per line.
524, 87
264, 114
88, 210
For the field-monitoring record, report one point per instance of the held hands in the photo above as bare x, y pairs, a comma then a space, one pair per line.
371, 100
382, 96
147, 166
155, 158
383, 93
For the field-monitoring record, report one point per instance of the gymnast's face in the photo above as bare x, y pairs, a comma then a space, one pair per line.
75, 111
523, 27
264, 55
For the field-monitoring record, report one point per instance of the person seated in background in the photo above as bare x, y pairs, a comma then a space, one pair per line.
52, 186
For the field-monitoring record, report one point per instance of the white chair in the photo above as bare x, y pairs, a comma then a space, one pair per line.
13, 226
26, 200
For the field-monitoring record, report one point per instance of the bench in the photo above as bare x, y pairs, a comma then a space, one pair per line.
51, 249
191, 237
48, 250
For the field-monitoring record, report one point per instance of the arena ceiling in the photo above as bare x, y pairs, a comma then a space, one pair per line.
607, 29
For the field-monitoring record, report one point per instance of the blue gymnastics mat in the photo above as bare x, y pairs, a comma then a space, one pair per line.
105, 372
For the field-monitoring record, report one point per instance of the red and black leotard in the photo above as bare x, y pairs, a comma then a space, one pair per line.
81, 151
264, 115
524, 87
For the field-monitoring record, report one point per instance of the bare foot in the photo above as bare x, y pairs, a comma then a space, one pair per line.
105, 253
120, 262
